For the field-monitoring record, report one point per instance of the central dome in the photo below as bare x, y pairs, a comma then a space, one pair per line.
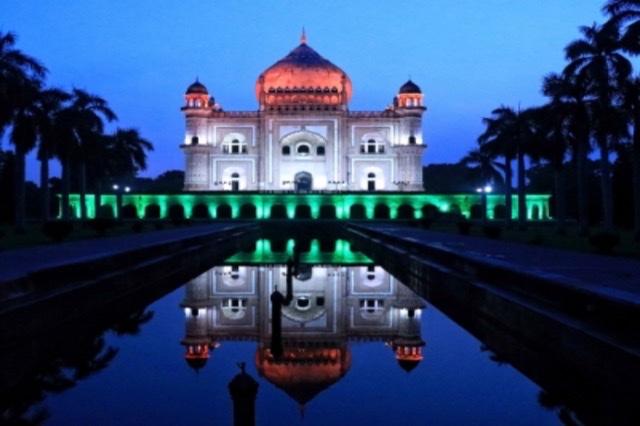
306, 77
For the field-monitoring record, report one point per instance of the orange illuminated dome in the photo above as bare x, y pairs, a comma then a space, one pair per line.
410, 96
408, 352
303, 77
304, 372
197, 356
197, 95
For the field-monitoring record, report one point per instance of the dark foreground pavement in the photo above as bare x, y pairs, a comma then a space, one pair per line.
605, 275
16, 265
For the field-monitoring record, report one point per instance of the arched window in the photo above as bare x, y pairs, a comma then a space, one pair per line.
234, 308
371, 308
286, 150
320, 150
194, 140
371, 272
412, 140
372, 146
303, 149
234, 147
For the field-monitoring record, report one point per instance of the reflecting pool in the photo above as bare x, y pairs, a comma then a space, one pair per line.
352, 345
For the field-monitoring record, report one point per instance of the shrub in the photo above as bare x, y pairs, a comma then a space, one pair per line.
464, 227
57, 230
102, 224
492, 231
604, 242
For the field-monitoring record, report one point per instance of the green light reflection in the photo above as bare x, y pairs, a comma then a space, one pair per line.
264, 254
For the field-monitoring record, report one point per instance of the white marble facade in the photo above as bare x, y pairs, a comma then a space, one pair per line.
303, 137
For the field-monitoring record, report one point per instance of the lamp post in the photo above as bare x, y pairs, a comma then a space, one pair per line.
483, 191
119, 191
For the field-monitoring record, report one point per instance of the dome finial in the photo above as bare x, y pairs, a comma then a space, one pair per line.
303, 37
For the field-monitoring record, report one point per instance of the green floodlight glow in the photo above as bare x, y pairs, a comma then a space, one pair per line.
354, 205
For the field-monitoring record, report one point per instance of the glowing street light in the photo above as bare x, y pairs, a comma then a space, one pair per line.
119, 191
483, 199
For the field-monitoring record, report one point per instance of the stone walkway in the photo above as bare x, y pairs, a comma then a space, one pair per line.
16, 264
613, 276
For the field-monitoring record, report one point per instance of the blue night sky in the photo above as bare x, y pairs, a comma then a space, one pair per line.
468, 56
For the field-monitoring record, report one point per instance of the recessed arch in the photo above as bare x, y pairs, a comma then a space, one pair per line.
106, 211
406, 211
371, 181
176, 211
152, 211
535, 212
247, 211
357, 211
327, 211
279, 211
129, 211
381, 211
303, 182
303, 211
500, 211
200, 211
431, 211
303, 135
224, 211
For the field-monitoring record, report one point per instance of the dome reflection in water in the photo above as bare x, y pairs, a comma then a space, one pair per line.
354, 345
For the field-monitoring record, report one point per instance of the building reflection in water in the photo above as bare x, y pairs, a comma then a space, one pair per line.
324, 308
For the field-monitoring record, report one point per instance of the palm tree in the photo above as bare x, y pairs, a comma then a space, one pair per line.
46, 109
597, 58
20, 81
631, 104
84, 119
17, 70
570, 96
626, 14
23, 137
487, 170
553, 140
121, 156
508, 135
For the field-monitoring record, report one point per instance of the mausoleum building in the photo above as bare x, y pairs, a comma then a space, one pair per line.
303, 137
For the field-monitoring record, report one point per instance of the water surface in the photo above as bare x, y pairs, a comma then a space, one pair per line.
355, 310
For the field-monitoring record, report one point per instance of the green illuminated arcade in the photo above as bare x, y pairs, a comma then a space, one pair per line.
288, 205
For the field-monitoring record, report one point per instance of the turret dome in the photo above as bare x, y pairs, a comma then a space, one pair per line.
197, 88
410, 87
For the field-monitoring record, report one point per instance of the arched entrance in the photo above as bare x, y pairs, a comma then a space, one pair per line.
235, 182
303, 182
371, 182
